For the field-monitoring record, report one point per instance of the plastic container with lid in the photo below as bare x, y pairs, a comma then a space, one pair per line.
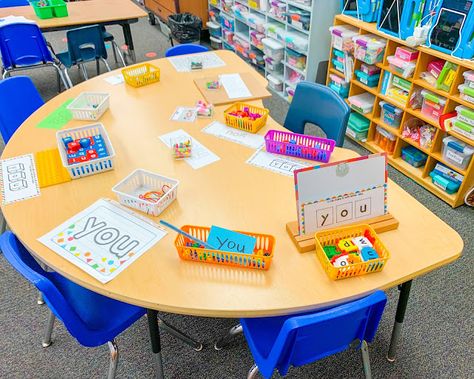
256, 38
401, 67
363, 103
293, 76
469, 78
435, 67
368, 80
273, 49
391, 115
464, 129
369, 69
299, 18
296, 59
277, 9
274, 29
406, 54
216, 43
457, 152
466, 93
358, 127
296, 42
275, 83
448, 180
290, 92
414, 156
433, 105
465, 114
214, 29
339, 85
385, 140
227, 22
341, 36
228, 36
369, 48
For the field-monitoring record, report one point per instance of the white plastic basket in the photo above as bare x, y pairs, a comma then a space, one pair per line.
141, 181
92, 167
89, 106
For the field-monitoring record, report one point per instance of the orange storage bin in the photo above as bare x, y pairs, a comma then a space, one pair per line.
385, 139
252, 126
332, 237
141, 74
261, 259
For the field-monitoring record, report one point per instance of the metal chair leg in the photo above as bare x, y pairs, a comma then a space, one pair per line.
68, 79
106, 64
114, 358
84, 71
61, 76
252, 372
49, 330
116, 49
224, 341
39, 299
180, 335
366, 359
97, 67
114, 52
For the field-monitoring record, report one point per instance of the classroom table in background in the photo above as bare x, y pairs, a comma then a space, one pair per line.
228, 193
82, 13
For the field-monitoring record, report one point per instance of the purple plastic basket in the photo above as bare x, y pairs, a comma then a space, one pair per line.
299, 145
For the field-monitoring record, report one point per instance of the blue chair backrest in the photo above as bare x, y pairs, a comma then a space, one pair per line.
23, 44
319, 105
13, 3
187, 48
86, 43
311, 337
18, 100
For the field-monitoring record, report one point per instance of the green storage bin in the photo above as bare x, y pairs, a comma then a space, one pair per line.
358, 126
54, 8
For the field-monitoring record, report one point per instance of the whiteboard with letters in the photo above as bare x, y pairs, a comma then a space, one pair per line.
341, 193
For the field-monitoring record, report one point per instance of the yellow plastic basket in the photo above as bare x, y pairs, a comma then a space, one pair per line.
331, 237
141, 74
261, 259
244, 124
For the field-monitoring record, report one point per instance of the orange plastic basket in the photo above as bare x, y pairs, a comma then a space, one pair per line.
258, 260
331, 237
243, 124
141, 74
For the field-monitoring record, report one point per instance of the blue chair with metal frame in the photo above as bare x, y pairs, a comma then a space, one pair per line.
85, 44
320, 105
184, 49
296, 340
18, 99
109, 37
85, 314
23, 47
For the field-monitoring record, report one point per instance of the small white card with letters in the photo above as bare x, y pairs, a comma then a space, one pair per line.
19, 179
218, 129
341, 192
184, 114
276, 163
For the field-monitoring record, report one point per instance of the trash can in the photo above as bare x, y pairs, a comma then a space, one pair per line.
185, 27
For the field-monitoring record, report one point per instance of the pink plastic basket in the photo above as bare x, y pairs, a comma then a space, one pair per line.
299, 145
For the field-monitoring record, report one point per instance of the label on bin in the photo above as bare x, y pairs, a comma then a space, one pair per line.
451, 155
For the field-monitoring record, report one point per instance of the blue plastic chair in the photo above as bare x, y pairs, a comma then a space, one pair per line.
184, 49
13, 3
319, 105
91, 318
22, 47
18, 100
84, 44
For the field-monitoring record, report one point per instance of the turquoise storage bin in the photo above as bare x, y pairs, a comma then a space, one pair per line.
368, 80
414, 156
391, 115
358, 126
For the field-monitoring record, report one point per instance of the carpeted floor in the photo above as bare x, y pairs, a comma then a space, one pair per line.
437, 337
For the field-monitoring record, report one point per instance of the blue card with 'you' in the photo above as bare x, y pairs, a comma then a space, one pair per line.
228, 240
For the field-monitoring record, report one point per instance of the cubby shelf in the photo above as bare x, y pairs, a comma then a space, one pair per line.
453, 99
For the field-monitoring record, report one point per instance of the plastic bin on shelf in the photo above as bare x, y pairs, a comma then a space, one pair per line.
363, 103
275, 83
142, 181
296, 59
277, 9
413, 156
448, 180
227, 22
273, 49
228, 37
369, 48
214, 15
370, 69
466, 93
368, 80
433, 105
401, 67
89, 106
214, 29
469, 78
358, 127
290, 93
256, 38
339, 85
216, 43
296, 42
384, 139
274, 30
341, 37
406, 54
293, 77
465, 114
464, 129
391, 115
457, 152
299, 18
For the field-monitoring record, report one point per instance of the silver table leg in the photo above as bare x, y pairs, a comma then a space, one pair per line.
39, 299
224, 341
180, 335
49, 330
252, 372
366, 359
114, 357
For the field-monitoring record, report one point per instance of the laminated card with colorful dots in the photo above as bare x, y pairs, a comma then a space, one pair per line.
103, 239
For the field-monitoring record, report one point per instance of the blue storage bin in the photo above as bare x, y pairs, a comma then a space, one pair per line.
368, 80
391, 115
414, 156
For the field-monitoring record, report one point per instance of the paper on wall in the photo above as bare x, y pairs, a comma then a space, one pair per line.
104, 239
276, 163
234, 86
19, 179
201, 155
218, 129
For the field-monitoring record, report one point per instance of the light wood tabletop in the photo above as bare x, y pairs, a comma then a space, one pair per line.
82, 13
228, 193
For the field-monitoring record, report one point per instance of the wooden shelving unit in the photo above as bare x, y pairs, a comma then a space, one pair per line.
421, 174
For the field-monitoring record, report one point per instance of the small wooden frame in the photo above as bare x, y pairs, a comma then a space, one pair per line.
219, 96
305, 243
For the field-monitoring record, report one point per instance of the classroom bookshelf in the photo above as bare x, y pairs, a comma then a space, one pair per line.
243, 42
418, 174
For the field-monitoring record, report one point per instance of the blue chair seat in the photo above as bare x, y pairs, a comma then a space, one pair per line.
87, 54
184, 49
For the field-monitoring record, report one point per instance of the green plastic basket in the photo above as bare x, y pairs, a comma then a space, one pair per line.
54, 8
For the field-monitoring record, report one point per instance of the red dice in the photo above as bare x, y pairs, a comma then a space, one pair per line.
73, 146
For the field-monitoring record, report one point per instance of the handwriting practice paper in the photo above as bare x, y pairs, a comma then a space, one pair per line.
234, 86
184, 114
19, 179
183, 63
115, 79
218, 129
276, 163
104, 239
201, 155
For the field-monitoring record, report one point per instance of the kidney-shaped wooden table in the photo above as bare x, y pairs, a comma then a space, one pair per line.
229, 193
